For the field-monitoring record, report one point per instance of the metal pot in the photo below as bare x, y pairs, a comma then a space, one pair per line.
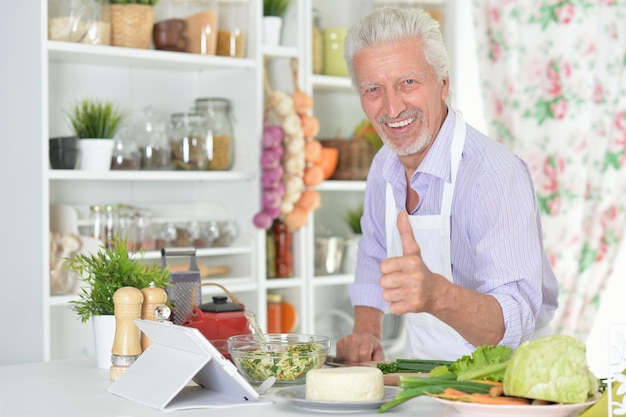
328, 255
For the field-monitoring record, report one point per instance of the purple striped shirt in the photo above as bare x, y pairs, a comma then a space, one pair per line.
496, 235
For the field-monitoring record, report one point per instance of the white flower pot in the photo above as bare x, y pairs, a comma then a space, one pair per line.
104, 335
95, 154
272, 29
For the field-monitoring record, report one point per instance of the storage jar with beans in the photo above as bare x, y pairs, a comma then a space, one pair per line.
220, 141
188, 136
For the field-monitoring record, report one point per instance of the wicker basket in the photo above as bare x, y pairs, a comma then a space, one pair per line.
355, 158
131, 25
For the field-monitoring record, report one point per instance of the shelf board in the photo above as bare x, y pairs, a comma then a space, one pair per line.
147, 58
329, 280
134, 175
274, 283
206, 252
336, 185
328, 82
270, 51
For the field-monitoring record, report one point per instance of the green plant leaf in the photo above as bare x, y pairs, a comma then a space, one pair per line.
95, 119
353, 218
275, 7
108, 270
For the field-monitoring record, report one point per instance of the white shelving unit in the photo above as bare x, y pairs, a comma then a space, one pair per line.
45, 77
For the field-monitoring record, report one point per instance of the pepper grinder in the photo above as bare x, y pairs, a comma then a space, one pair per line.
153, 307
126, 344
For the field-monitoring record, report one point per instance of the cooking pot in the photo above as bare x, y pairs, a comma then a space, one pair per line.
219, 319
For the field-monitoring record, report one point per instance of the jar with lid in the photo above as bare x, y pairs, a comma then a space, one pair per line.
201, 17
126, 154
232, 28
220, 141
188, 134
153, 144
82, 21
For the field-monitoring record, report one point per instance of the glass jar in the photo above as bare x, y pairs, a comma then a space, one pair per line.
97, 220
220, 141
188, 135
143, 235
201, 17
82, 21
169, 27
318, 43
232, 28
153, 143
125, 154
274, 313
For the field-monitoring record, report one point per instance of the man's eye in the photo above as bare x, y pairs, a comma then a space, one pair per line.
409, 81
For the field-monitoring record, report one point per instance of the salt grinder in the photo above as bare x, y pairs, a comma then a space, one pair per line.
126, 344
154, 299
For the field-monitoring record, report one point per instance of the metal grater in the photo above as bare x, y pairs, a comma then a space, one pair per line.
180, 291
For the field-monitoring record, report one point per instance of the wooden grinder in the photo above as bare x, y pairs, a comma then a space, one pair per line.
126, 344
154, 300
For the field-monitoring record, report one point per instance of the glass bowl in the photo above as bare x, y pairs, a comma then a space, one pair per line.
287, 356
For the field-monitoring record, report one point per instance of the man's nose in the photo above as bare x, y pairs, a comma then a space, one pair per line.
394, 103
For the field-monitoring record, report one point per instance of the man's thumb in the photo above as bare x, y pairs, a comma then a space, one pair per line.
409, 245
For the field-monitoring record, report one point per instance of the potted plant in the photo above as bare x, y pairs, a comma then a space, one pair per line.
131, 22
273, 12
95, 123
103, 273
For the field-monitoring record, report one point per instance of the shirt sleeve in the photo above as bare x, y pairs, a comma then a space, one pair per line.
366, 291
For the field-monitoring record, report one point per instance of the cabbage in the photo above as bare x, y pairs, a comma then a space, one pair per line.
553, 368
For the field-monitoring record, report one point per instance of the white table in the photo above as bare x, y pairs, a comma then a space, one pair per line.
76, 388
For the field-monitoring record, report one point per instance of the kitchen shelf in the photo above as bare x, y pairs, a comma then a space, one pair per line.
331, 280
337, 185
145, 58
331, 83
123, 175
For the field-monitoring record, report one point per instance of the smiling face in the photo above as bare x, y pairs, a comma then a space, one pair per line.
401, 96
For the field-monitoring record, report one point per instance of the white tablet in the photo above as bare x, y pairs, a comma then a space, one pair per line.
164, 375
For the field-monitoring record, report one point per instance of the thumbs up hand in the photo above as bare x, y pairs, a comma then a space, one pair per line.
408, 284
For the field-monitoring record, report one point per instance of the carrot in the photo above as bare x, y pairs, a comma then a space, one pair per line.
501, 400
496, 391
454, 392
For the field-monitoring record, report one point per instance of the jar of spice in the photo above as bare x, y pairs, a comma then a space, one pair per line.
274, 313
201, 17
153, 144
283, 249
220, 142
188, 135
232, 28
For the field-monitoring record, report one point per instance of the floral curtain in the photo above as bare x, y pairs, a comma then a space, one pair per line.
554, 87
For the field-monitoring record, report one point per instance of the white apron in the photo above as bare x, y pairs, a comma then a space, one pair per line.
427, 337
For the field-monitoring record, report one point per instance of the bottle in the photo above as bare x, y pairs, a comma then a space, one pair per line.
282, 244
274, 313
188, 135
232, 28
220, 142
97, 222
318, 43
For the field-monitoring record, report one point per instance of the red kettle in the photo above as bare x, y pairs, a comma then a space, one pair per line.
219, 319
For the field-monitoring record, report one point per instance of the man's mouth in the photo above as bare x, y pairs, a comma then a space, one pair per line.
401, 123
